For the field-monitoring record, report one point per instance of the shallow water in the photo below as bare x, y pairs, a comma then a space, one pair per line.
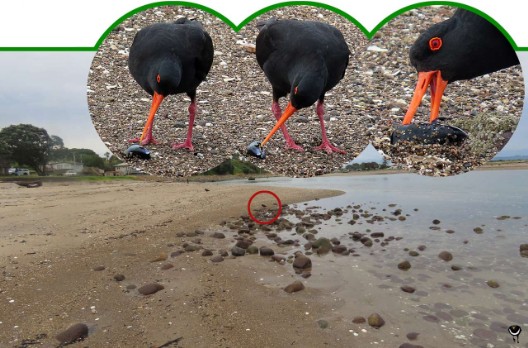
457, 308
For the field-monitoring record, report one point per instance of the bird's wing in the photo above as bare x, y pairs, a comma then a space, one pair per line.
205, 59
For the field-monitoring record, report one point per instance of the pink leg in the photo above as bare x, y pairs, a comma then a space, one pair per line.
187, 144
325, 144
149, 139
290, 144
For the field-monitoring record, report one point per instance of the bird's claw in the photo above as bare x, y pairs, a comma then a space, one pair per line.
290, 145
328, 148
146, 141
187, 145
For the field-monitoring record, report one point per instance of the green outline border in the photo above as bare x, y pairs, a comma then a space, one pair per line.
236, 28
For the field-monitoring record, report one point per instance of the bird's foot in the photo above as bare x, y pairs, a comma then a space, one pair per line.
146, 141
290, 145
187, 144
328, 148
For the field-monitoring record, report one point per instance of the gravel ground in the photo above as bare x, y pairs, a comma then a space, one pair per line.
375, 92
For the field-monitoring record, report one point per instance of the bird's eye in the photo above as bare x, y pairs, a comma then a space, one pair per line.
435, 43
158, 78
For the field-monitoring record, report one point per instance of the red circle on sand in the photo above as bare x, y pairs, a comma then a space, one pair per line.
272, 219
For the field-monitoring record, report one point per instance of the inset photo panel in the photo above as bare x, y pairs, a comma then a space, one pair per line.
450, 86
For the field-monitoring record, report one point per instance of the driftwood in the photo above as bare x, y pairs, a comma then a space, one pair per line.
29, 184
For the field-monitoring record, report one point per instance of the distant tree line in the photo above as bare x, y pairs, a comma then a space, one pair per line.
25, 145
366, 166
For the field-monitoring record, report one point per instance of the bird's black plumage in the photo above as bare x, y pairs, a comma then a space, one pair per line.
471, 47
302, 58
171, 58
292, 52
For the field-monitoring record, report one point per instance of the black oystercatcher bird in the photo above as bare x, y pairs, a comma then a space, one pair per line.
305, 59
170, 58
461, 48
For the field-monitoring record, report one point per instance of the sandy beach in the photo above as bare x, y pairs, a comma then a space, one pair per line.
54, 239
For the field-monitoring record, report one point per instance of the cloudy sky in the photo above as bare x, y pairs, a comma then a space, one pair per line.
48, 89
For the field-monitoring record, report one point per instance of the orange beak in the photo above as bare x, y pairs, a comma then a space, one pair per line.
438, 85
156, 101
285, 115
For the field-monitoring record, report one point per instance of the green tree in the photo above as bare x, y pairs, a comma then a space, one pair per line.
56, 142
28, 145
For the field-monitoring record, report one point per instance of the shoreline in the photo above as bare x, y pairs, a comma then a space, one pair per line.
67, 241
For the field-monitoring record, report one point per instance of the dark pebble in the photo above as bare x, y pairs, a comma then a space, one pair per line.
207, 252
421, 247
409, 345
322, 242
131, 287
74, 333
265, 251
217, 258
436, 222
252, 249
323, 250
244, 243
404, 265
366, 241
218, 235
339, 249
278, 258
150, 289
323, 324
188, 248
99, 268
446, 256
430, 318
167, 266
302, 262
493, 284
411, 336
377, 234
237, 251
456, 268
450, 231
335, 241
375, 320
359, 320
223, 252
294, 287
407, 288
300, 229
478, 230
119, 277
413, 253
176, 253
